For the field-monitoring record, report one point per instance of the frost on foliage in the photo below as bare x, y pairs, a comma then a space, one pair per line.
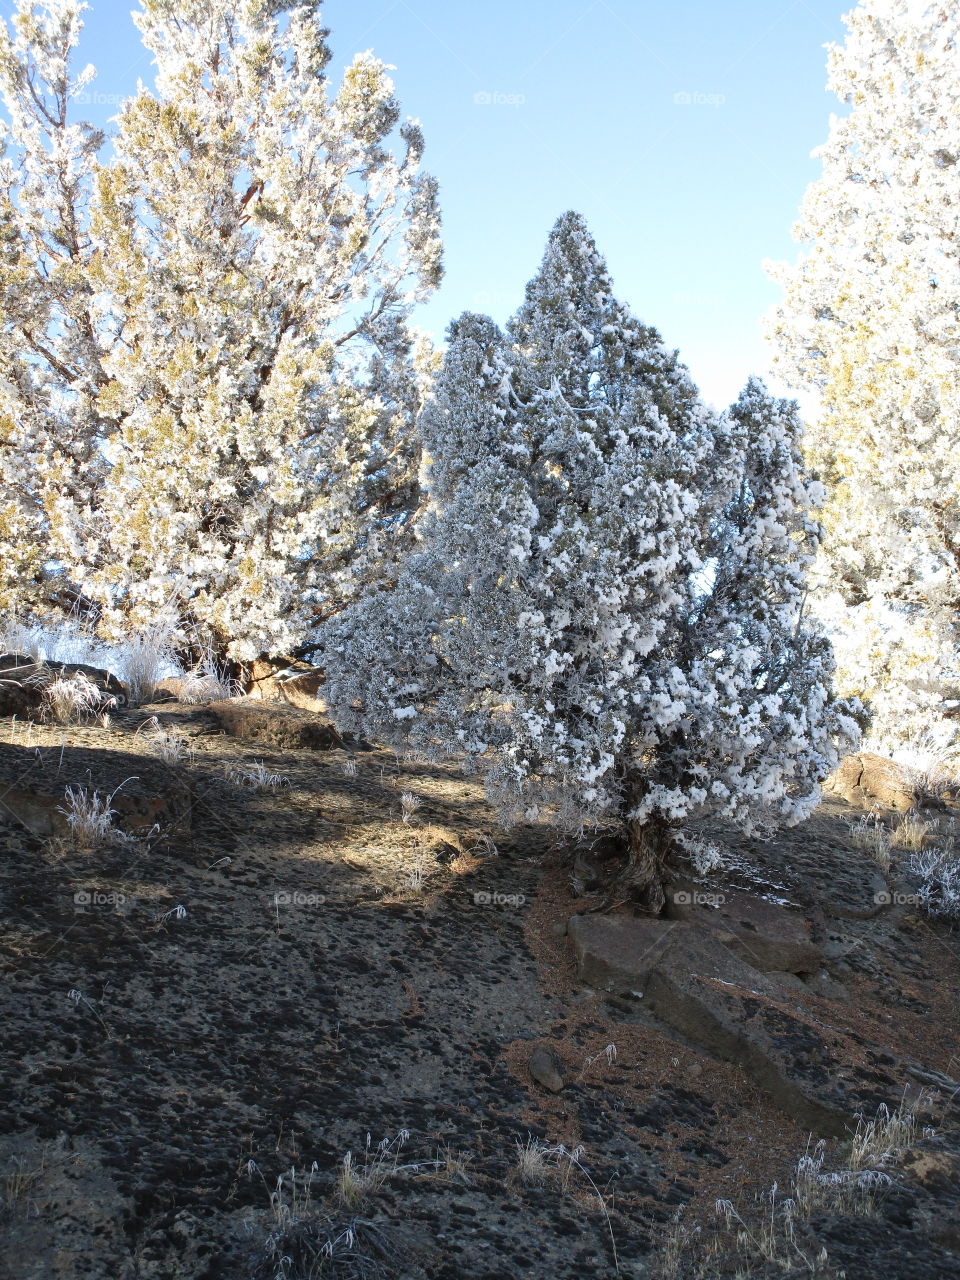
207, 383
871, 320
602, 613
769, 727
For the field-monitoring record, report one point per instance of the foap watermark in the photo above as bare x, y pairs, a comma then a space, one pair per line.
889, 898
95, 98
494, 98
695, 98
493, 898
691, 898
296, 898
98, 898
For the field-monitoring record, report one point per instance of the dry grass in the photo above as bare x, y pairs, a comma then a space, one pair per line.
89, 816
305, 1240
255, 777
144, 659
168, 745
872, 835
70, 699
539, 1164
416, 873
356, 1181
911, 832
409, 804
206, 683
776, 1236
17, 1185
938, 871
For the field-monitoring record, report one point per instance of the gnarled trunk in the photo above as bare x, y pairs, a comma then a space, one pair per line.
649, 845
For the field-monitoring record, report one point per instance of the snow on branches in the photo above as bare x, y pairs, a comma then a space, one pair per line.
871, 320
205, 347
603, 610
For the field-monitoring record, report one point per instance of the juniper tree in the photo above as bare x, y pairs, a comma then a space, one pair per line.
769, 725
207, 378
554, 626
871, 321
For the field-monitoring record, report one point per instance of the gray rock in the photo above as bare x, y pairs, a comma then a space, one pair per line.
545, 1069
822, 984
698, 986
275, 724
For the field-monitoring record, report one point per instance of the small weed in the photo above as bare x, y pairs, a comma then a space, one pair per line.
79, 999
70, 699
255, 777
355, 1182
452, 1166
171, 747
535, 1161
90, 817
609, 1052
349, 768
779, 1233
409, 804
145, 658
911, 832
16, 1186
206, 683
878, 1140
871, 835
484, 847
179, 912
938, 871
417, 873
306, 1241
933, 763
538, 1163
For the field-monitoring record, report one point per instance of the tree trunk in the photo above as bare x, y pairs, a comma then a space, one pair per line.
649, 845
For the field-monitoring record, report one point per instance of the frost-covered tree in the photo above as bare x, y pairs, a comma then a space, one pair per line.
564, 623
871, 320
207, 354
51, 367
761, 666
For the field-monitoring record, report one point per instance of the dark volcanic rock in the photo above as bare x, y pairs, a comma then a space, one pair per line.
144, 792
275, 725
694, 983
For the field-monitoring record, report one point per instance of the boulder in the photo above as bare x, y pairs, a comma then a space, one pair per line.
765, 934
22, 680
692, 982
545, 1069
814, 1073
19, 695
170, 688
296, 683
870, 781
275, 725
619, 953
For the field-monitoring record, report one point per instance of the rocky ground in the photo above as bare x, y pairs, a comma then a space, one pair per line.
314, 1029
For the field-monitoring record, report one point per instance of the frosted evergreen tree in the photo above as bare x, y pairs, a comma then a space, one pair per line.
562, 624
870, 320
207, 382
770, 726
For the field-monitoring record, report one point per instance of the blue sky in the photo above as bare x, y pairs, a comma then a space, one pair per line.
683, 133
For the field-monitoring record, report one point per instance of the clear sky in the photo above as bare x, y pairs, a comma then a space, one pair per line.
681, 131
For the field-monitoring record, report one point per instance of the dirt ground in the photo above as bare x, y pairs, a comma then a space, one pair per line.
292, 1036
